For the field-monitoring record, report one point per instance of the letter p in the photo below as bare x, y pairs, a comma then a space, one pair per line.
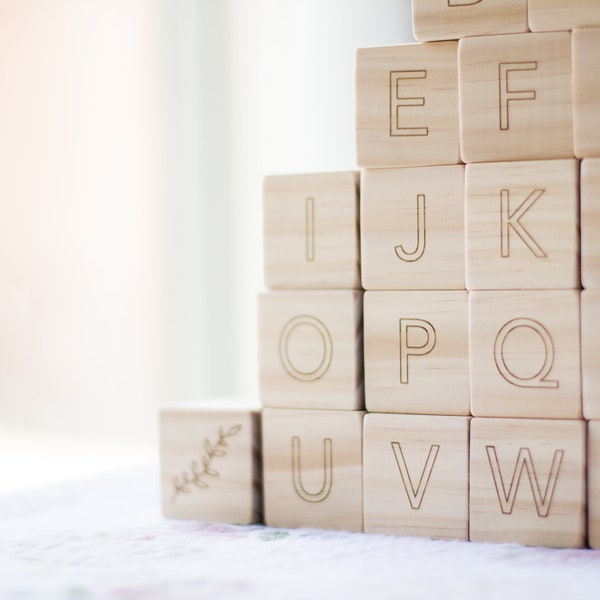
408, 347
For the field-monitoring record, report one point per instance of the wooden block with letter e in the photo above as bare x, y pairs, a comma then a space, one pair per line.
525, 354
590, 223
407, 105
416, 352
412, 228
310, 349
590, 353
415, 473
527, 482
561, 15
311, 231
454, 19
593, 469
522, 222
312, 468
515, 97
210, 461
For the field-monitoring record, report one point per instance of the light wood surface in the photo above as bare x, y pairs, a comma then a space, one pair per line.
312, 465
311, 231
522, 222
560, 15
593, 490
527, 482
210, 461
416, 475
416, 352
590, 353
310, 349
590, 223
412, 228
515, 97
455, 19
407, 105
525, 354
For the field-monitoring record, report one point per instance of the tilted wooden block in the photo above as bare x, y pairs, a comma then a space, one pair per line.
310, 349
412, 228
590, 353
312, 465
593, 488
522, 222
586, 91
515, 97
455, 19
561, 15
407, 105
416, 352
525, 354
210, 461
527, 482
590, 222
311, 231
416, 472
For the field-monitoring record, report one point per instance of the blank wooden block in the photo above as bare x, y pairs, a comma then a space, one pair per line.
586, 91
416, 352
593, 488
210, 461
412, 228
527, 482
416, 472
407, 105
525, 354
515, 97
454, 19
561, 15
590, 223
522, 222
590, 353
310, 349
311, 231
312, 462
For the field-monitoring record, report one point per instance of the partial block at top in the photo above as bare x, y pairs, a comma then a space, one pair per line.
311, 231
454, 19
590, 223
562, 15
407, 105
515, 97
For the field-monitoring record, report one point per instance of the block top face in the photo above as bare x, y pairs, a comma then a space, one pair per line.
407, 105
590, 222
561, 15
311, 231
515, 97
454, 19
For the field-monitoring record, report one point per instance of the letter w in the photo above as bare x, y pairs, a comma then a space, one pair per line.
415, 496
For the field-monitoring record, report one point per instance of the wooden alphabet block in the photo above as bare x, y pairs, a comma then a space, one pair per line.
454, 19
312, 464
416, 472
407, 105
416, 352
586, 91
522, 223
525, 354
515, 97
210, 461
593, 488
561, 15
310, 349
412, 228
311, 231
527, 482
590, 222
590, 353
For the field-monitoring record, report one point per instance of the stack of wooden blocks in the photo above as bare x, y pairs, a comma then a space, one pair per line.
473, 349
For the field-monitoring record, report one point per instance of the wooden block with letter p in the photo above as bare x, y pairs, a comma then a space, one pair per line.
590, 222
561, 15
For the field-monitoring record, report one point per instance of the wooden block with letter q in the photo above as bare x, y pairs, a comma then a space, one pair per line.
593, 488
527, 482
563, 15
590, 222
590, 353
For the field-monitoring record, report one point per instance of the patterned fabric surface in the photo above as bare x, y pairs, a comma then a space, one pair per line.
105, 538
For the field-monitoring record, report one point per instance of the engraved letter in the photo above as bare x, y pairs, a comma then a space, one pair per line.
506, 94
508, 220
397, 102
463, 2
310, 229
327, 472
407, 349
416, 254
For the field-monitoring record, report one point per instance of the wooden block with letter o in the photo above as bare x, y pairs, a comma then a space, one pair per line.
561, 15
527, 482
593, 488
590, 222
590, 353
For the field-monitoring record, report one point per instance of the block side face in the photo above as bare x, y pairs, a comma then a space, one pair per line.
590, 353
594, 484
590, 222
560, 15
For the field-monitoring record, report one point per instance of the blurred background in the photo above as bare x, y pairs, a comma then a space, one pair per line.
134, 138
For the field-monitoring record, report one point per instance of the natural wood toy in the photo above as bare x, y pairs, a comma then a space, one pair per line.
590, 222
593, 496
561, 15
590, 353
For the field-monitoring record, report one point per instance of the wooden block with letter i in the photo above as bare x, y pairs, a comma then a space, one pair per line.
590, 222
593, 469
561, 15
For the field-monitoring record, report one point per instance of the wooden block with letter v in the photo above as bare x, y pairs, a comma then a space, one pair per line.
527, 482
416, 472
312, 468
590, 222
561, 15
593, 488
311, 231
210, 461
515, 97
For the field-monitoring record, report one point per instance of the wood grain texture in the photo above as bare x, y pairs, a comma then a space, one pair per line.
593, 488
590, 353
407, 105
522, 222
590, 223
527, 482
310, 349
515, 97
416, 471
412, 228
311, 231
525, 354
210, 461
454, 19
416, 352
312, 465
562, 15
